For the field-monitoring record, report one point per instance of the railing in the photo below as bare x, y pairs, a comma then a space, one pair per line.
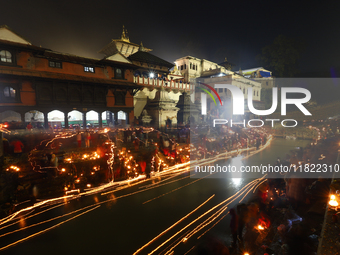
157, 83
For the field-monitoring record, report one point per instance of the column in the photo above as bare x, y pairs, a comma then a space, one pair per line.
22, 117
46, 121
115, 118
84, 120
100, 120
111, 118
66, 120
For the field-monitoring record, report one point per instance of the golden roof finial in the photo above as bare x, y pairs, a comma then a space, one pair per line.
124, 36
141, 47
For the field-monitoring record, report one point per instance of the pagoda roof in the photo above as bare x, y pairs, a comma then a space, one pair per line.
17, 38
83, 60
147, 57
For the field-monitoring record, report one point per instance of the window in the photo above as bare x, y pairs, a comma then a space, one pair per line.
9, 92
89, 69
254, 92
181, 67
185, 66
220, 90
119, 73
266, 83
257, 93
190, 65
54, 64
5, 56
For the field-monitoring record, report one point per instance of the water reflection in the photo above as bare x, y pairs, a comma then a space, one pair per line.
236, 179
236, 182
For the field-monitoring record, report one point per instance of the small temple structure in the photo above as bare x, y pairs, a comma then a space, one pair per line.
188, 111
162, 110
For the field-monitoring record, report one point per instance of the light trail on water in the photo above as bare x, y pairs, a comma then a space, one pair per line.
235, 196
42, 222
46, 230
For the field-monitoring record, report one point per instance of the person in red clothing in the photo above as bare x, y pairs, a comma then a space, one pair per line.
29, 126
18, 146
79, 139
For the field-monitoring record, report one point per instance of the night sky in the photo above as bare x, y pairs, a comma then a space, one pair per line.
205, 29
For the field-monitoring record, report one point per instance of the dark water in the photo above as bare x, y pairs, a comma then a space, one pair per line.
124, 224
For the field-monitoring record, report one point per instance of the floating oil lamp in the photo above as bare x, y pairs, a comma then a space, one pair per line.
260, 227
333, 202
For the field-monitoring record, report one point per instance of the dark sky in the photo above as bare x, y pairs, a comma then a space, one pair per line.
204, 29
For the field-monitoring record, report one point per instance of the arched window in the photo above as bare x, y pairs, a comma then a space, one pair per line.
5, 56
119, 73
9, 92
257, 93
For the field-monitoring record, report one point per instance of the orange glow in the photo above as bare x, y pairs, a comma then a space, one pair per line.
333, 203
260, 227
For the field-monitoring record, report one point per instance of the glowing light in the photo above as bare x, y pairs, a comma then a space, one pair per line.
63, 169
260, 227
152, 75
333, 203
332, 197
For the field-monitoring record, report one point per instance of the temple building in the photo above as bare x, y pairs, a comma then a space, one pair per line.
50, 88
161, 86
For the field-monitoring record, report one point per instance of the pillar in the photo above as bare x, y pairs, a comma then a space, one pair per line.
46, 121
84, 120
22, 117
115, 118
110, 118
66, 120
100, 120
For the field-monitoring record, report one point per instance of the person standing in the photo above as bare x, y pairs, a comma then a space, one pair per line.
29, 126
18, 146
87, 139
79, 139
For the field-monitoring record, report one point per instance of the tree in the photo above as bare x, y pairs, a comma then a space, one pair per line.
282, 56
